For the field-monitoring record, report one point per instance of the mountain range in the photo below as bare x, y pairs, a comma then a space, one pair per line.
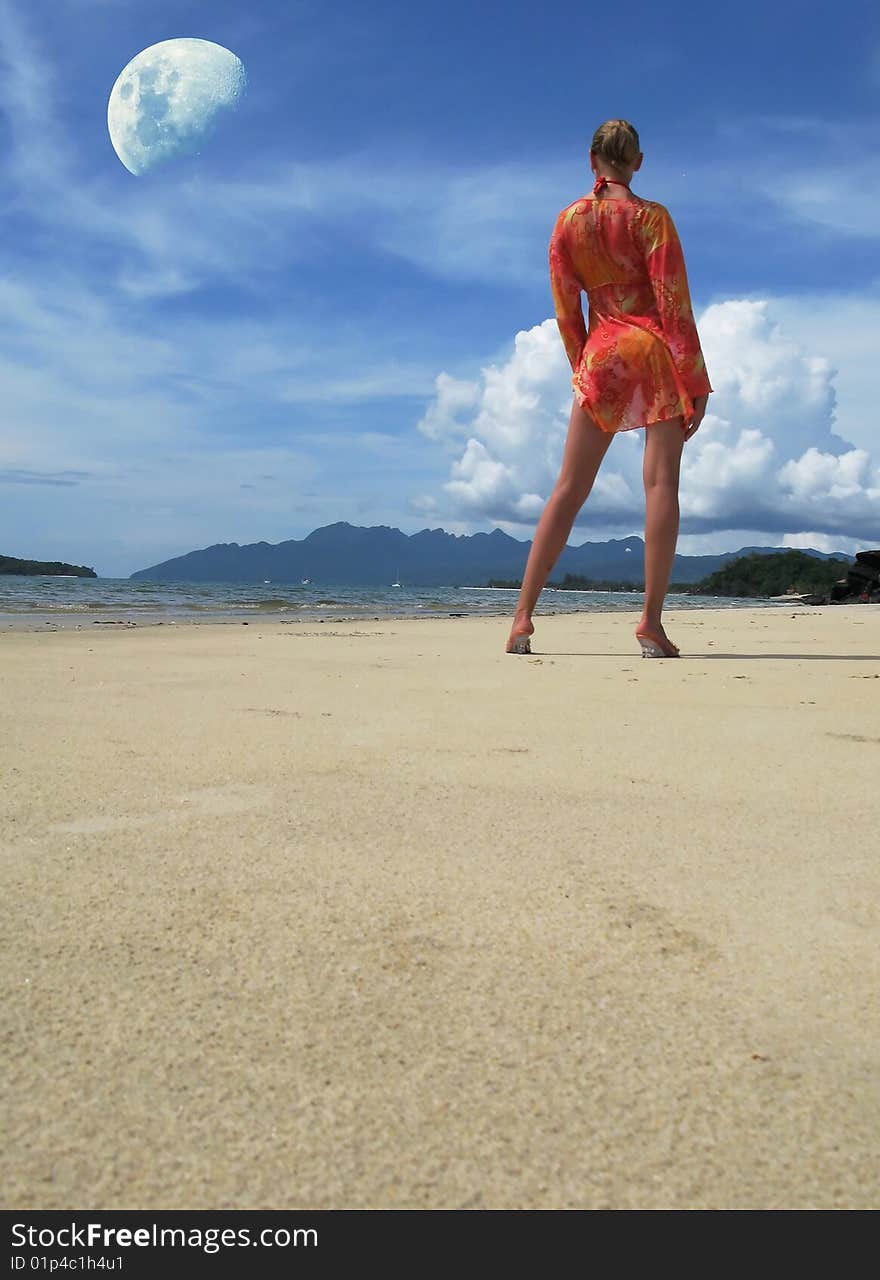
343, 554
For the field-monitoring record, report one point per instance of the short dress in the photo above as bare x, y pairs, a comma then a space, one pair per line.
640, 361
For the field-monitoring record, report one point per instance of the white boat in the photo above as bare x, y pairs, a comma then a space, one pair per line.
305, 582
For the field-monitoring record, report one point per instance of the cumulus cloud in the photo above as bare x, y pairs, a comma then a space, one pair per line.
766, 458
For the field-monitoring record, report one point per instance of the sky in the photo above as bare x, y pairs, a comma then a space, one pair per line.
340, 308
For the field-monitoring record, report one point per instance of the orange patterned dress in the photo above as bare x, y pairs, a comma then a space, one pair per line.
640, 360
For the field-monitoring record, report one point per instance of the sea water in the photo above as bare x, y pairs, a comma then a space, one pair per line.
61, 601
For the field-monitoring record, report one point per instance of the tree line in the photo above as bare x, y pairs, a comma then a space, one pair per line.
29, 568
754, 576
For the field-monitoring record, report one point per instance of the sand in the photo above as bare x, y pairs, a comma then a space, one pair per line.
376, 915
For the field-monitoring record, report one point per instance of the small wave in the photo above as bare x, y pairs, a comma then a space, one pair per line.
330, 603
232, 606
49, 606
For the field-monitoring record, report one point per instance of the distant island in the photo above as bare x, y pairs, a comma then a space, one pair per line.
758, 576
33, 568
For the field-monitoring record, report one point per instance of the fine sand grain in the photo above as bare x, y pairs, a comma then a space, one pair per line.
377, 915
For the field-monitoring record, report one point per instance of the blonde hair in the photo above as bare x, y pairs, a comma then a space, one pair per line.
617, 142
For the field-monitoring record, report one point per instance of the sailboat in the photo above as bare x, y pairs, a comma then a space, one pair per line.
397, 583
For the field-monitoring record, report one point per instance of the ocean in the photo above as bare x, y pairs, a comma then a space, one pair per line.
50, 601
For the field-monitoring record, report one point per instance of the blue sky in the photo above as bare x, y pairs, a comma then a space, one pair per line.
340, 310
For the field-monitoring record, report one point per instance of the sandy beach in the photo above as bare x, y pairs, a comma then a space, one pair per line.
377, 915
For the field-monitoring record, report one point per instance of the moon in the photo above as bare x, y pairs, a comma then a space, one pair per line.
165, 102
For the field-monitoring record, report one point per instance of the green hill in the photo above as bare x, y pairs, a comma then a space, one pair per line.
31, 568
773, 575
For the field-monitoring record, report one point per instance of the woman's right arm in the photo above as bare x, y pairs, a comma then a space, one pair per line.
666, 269
566, 289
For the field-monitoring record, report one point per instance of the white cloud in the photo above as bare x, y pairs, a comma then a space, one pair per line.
761, 376
814, 196
512, 407
453, 397
480, 479
844, 328
722, 470
841, 493
766, 457
839, 193
822, 542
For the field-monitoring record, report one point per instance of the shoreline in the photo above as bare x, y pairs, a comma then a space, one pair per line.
37, 621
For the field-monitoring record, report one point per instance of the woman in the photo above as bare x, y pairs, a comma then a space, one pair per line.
639, 365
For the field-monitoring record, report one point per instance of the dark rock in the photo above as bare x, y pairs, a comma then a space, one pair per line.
862, 581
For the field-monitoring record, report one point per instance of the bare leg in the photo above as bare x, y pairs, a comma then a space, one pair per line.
662, 465
585, 447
